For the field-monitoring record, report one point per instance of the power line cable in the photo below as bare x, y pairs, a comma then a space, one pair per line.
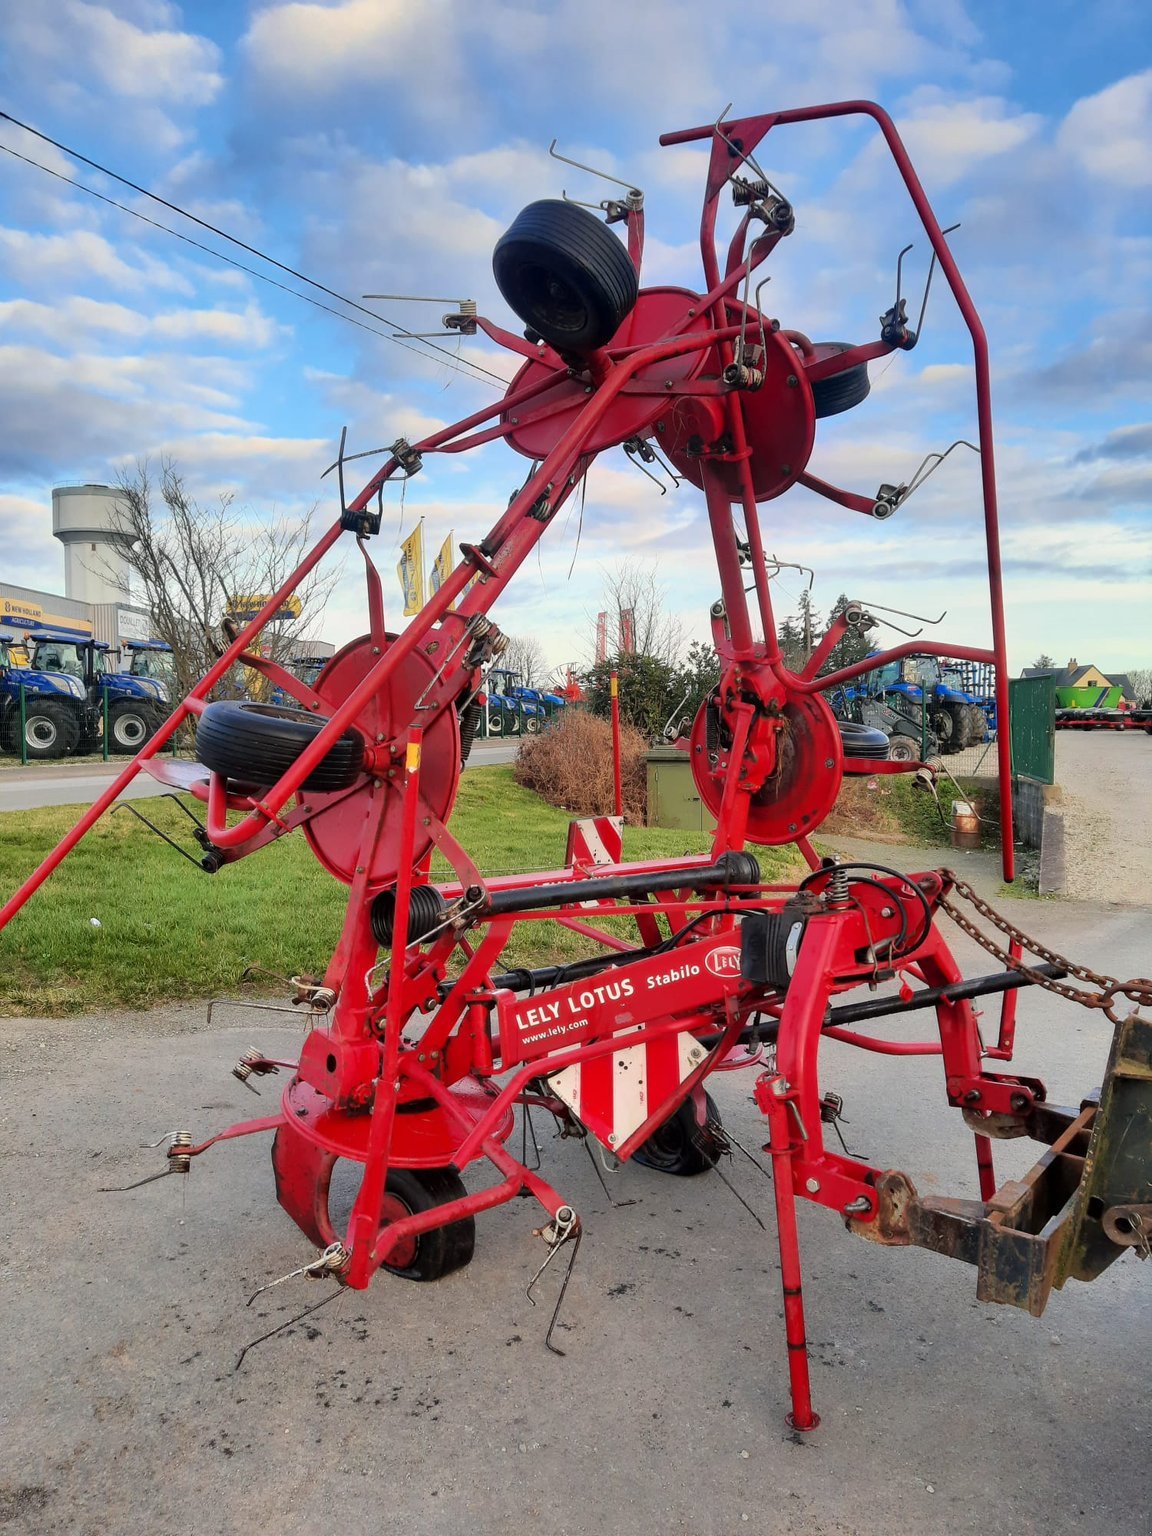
232, 240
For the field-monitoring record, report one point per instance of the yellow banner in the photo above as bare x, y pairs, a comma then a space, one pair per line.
442, 565
411, 570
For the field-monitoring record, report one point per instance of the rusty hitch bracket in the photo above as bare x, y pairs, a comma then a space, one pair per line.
1075, 1211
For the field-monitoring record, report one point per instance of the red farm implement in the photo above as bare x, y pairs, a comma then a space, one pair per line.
421, 1048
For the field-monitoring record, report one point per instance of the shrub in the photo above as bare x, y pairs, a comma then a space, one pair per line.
570, 765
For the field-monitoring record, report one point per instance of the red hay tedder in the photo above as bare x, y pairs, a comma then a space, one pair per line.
415, 1063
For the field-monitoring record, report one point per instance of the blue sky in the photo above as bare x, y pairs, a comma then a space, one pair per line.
384, 145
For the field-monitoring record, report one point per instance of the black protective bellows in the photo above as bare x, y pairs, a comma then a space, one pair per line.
566, 275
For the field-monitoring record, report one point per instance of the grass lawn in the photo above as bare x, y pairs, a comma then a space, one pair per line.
168, 931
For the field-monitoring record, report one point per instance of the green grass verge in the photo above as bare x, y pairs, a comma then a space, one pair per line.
168, 932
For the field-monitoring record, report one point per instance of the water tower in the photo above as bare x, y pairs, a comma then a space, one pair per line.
91, 523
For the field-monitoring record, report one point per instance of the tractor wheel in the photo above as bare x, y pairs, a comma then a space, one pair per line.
901, 749
257, 743
129, 727
680, 1146
566, 275
51, 730
840, 391
944, 728
977, 725
532, 724
429, 1255
496, 723
961, 726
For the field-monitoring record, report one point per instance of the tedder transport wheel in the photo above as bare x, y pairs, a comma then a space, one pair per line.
566, 275
840, 391
902, 750
50, 730
129, 727
428, 1255
257, 743
680, 1146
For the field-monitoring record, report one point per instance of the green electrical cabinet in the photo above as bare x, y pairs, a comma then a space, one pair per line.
672, 797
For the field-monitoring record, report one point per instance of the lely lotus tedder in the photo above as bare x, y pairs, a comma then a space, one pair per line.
420, 1047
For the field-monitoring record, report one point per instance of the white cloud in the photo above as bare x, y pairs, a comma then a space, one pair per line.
1109, 133
45, 261
140, 63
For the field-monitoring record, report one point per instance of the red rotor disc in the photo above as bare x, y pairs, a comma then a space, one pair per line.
810, 766
779, 422
336, 830
537, 426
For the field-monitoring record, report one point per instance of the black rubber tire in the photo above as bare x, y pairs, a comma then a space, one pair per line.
961, 726
944, 728
257, 743
51, 730
443, 1249
680, 1146
862, 740
840, 391
129, 727
977, 724
902, 749
566, 275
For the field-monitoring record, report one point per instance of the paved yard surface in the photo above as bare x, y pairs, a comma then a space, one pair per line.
1106, 777
436, 1409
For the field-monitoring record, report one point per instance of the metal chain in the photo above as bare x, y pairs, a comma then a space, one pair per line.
1138, 990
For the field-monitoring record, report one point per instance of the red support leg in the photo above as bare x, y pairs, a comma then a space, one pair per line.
772, 1097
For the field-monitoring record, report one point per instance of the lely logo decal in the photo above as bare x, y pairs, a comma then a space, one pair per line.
724, 960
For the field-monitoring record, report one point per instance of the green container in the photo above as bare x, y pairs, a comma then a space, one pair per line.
672, 797
1087, 698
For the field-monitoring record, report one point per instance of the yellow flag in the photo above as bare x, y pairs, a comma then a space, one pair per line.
442, 565
411, 570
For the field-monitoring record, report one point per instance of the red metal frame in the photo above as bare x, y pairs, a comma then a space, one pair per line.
413, 1066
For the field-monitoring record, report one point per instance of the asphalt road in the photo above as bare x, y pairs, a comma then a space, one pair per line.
436, 1409
40, 784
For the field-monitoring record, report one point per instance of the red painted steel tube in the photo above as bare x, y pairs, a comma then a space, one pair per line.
617, 784
753, 131
91, 816
364, 1221
884, 1047
803, 1416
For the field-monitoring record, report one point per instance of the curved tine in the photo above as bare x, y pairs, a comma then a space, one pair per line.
928, 282
899, 268
592, 171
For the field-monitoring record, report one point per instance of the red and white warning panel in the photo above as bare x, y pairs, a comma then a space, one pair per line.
614, 1094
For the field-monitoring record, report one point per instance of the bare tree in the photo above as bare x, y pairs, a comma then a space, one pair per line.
1141, 680
632, 588
197, 568
525, 655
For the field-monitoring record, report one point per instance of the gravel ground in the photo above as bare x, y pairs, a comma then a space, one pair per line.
435, 1410
1106, 778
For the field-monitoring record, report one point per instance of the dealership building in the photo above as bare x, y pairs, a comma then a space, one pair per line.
88, 521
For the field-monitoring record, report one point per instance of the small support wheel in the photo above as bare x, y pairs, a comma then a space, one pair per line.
681, 1146
429, 1255
902, 750
839, 391
566, 275
258, 743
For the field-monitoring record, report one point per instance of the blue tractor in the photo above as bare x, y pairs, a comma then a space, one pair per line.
136, 700
51, 705
918, 685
